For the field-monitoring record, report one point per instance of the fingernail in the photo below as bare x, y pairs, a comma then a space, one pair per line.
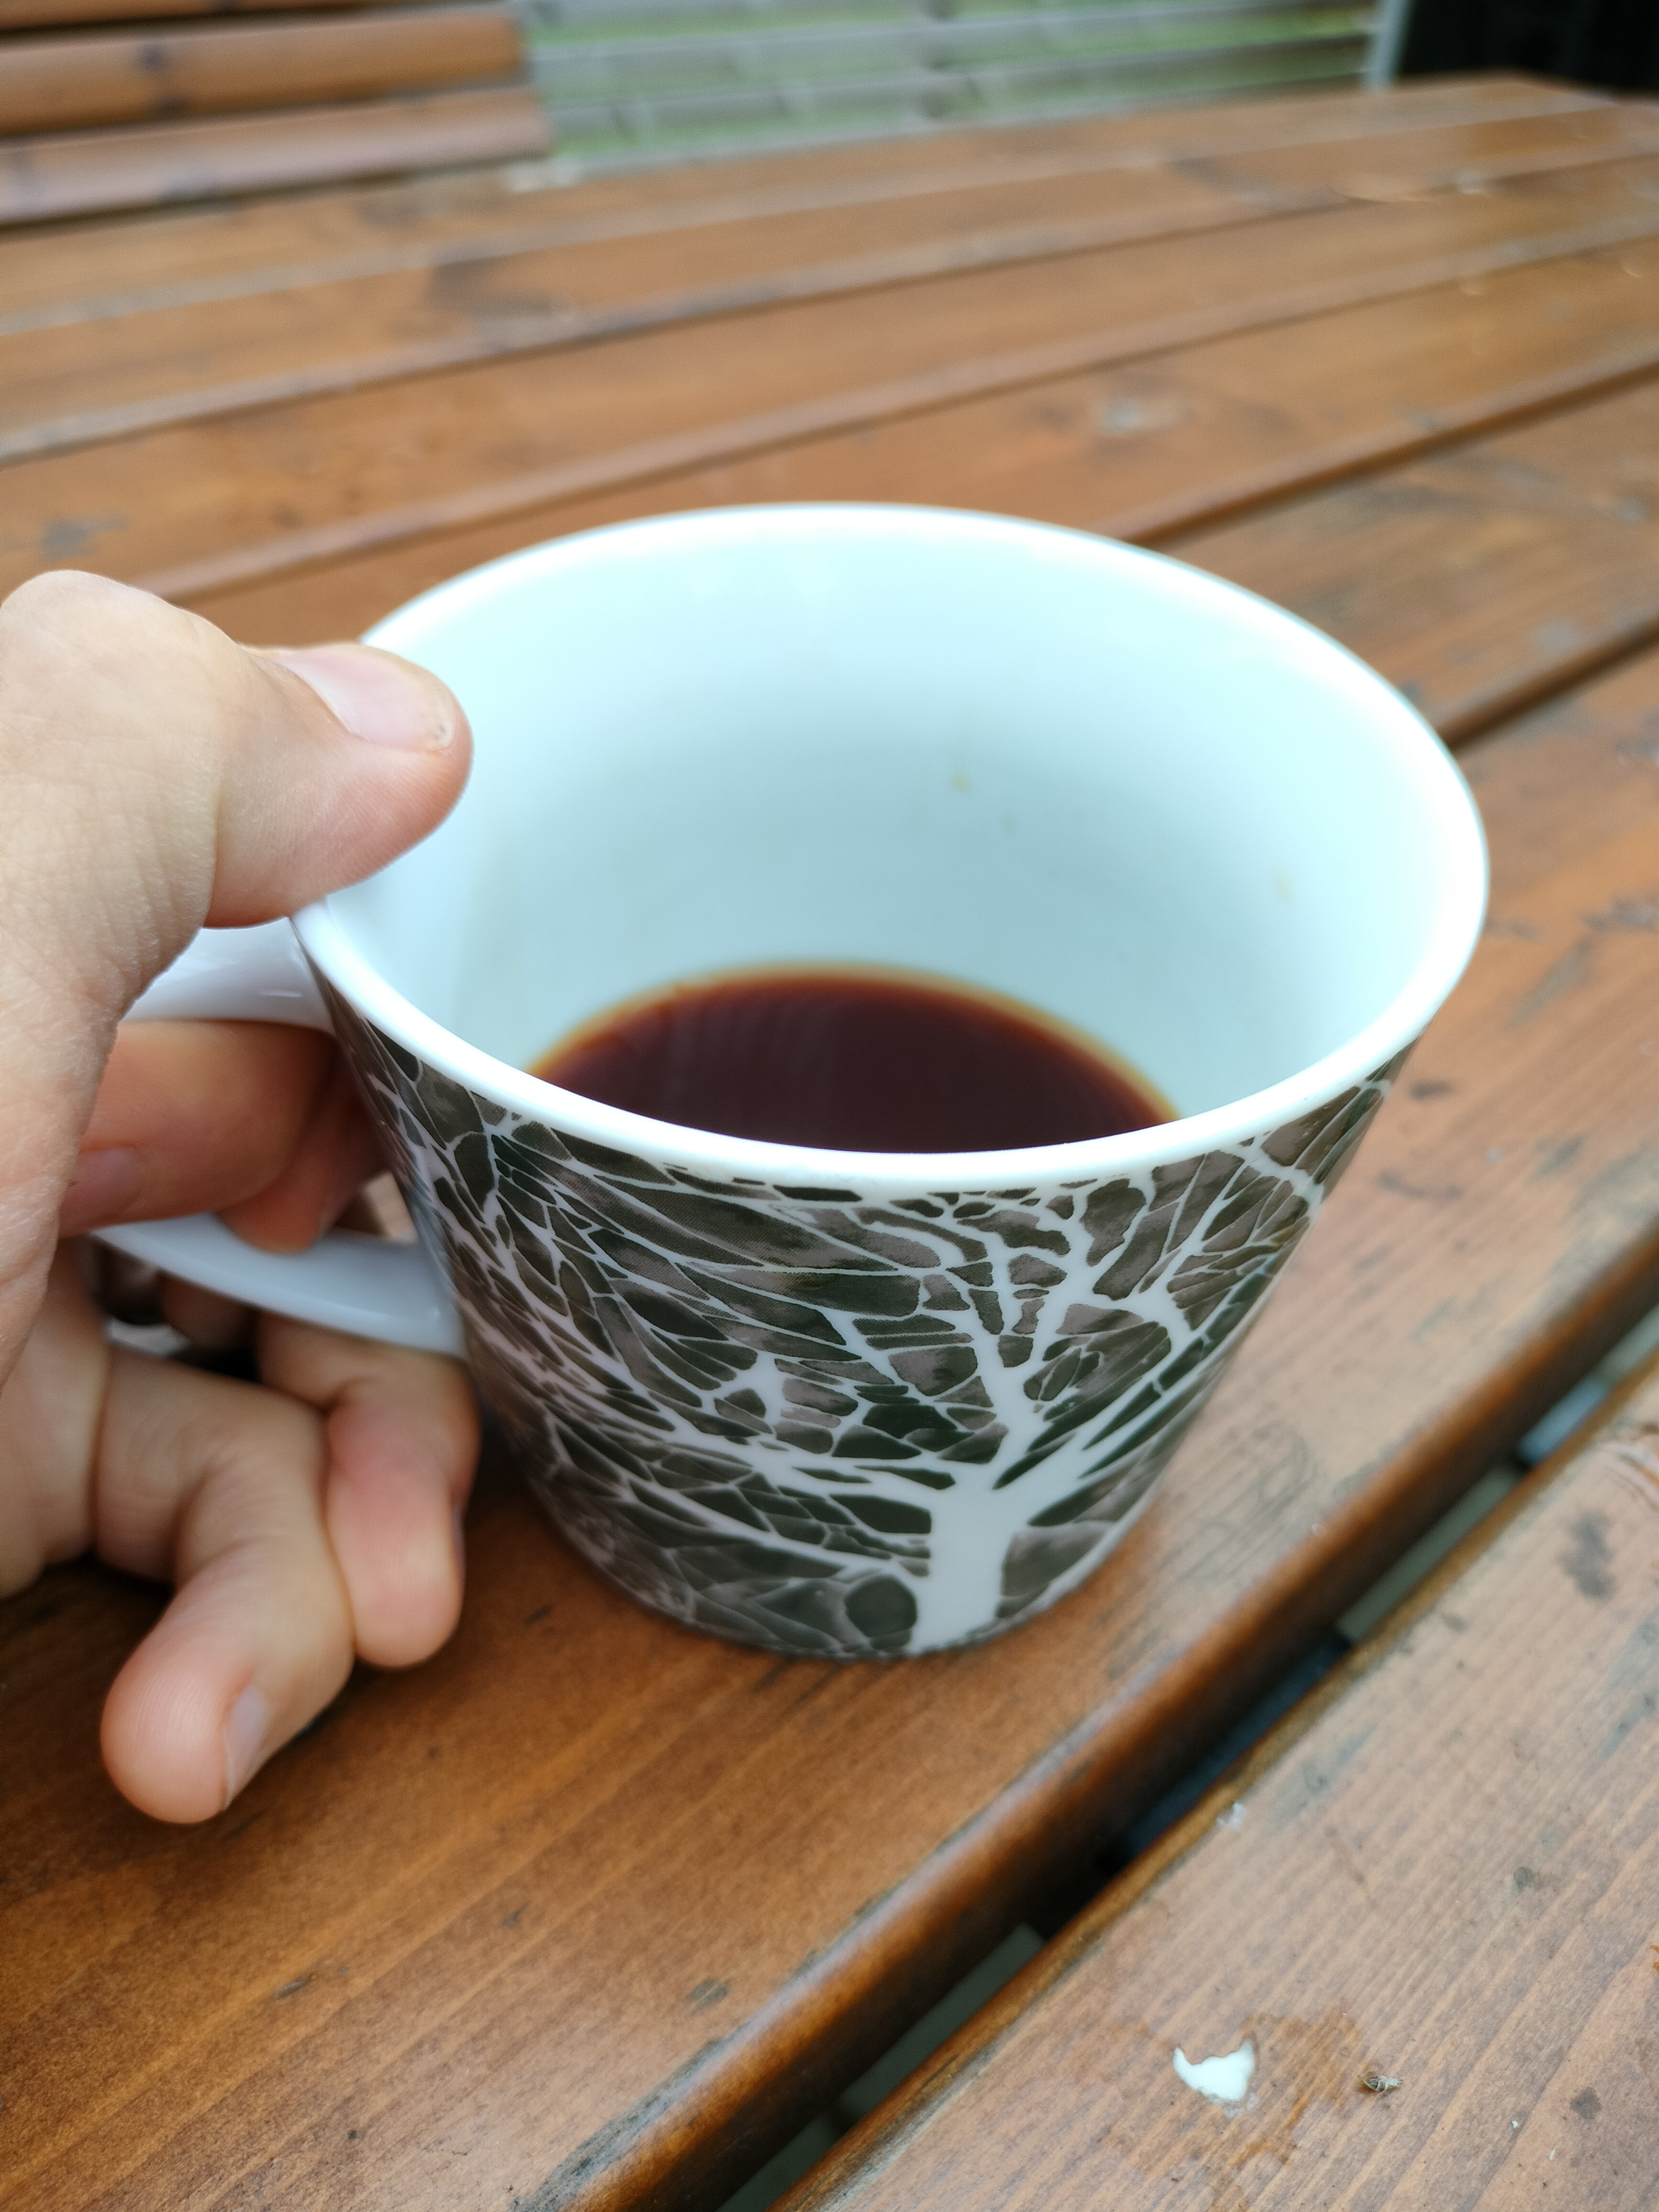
375, 695
246, 1727
105, 1183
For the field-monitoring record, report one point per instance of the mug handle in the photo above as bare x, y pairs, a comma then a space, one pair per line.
362, 1284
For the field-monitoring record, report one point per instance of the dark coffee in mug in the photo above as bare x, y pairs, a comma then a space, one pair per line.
853, 1062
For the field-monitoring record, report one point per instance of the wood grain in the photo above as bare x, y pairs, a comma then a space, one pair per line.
50, 15
593, 1911
64, 83
1467, 1820
1136, 450
198, 509
81, 172
393, 311
1517, 561
291, 246
1412, 161
201, 357
99, 267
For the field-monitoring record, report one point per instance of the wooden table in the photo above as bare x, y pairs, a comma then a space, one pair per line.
593, 1912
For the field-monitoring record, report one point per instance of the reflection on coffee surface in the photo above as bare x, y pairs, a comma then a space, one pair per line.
854, 1060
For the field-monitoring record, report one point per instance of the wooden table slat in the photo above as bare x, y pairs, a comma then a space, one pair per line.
1518, 563
1467, 1820
218, 356
1402, 163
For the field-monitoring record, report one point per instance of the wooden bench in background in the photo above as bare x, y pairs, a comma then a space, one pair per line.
591, 1912
137, 111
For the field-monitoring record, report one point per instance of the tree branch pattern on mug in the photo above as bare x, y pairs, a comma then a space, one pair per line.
765, 1402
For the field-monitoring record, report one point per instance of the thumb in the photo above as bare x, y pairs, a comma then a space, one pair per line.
153, 776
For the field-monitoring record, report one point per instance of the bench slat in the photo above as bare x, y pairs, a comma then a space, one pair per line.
51, 15
64, 84
80, 172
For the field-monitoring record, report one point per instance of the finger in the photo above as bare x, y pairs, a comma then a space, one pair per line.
51, 1413
258, 1123
158, 776
249, 1496
194, 1116
222, 1484
293, 1533
338, 1152
403, 1443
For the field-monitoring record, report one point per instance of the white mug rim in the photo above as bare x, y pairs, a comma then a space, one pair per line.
1462, 889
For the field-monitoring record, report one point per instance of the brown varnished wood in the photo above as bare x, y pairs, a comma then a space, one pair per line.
1394, 167
65, 84
1467, 1821
1483, 613
104, 267
50, 15
1142, 451
590, 1912
1157, 442
184, 362
395, 310
109, 268
292, 245
195, 510
82, 172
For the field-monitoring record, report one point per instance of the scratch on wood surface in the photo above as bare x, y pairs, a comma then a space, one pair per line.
1626, 914
1555, 1155
1431, 1195
1590, 1562
1571, 969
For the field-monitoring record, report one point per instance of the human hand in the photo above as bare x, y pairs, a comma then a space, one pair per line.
154, 777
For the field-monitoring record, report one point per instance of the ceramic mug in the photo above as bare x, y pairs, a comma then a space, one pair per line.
833, 1402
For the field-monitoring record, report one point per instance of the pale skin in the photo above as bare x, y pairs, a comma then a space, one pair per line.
154, 777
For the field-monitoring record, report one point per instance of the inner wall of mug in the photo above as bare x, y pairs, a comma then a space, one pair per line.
1084, 777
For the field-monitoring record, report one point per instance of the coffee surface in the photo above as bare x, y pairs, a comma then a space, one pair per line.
852, 1061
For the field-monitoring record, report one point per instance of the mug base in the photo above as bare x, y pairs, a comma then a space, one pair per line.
779, 1605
